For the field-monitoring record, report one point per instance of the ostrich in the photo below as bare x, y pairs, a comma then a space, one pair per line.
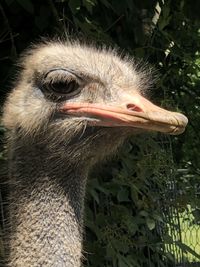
72, 106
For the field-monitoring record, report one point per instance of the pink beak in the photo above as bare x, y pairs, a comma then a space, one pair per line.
137, 113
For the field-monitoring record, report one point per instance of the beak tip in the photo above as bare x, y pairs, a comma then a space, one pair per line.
184, 119
181, 124
177, 131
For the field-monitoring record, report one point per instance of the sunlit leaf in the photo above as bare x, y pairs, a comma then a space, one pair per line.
150, 223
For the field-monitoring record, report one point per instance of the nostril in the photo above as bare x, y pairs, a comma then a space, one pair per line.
133, 107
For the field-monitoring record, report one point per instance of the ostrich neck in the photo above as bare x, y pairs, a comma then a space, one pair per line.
46, 207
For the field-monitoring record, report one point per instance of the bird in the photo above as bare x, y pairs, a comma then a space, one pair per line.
72, 105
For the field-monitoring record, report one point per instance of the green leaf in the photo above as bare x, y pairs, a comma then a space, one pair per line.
106, 3
123, 195
120, 246
103, 190
121, 262
131, 225
150, 223
143, 213
95, 195
74, 5
89, 4
27, 5
93, 227
168, 239
110, 252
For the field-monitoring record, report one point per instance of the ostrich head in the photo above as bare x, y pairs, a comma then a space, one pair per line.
87, 99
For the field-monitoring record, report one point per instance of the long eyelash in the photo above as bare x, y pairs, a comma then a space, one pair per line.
66, 70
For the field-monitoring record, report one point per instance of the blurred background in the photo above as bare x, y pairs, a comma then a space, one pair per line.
142, 207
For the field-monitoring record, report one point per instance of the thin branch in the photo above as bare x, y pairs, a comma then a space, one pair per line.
6, 39
4, 58
14, 50
115, 22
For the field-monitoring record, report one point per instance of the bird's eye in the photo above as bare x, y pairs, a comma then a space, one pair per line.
60, 84
63, 87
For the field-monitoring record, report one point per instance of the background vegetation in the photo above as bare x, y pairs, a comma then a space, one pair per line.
131, 203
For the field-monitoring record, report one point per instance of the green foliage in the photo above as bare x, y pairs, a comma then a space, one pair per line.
125, 222
123, 208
